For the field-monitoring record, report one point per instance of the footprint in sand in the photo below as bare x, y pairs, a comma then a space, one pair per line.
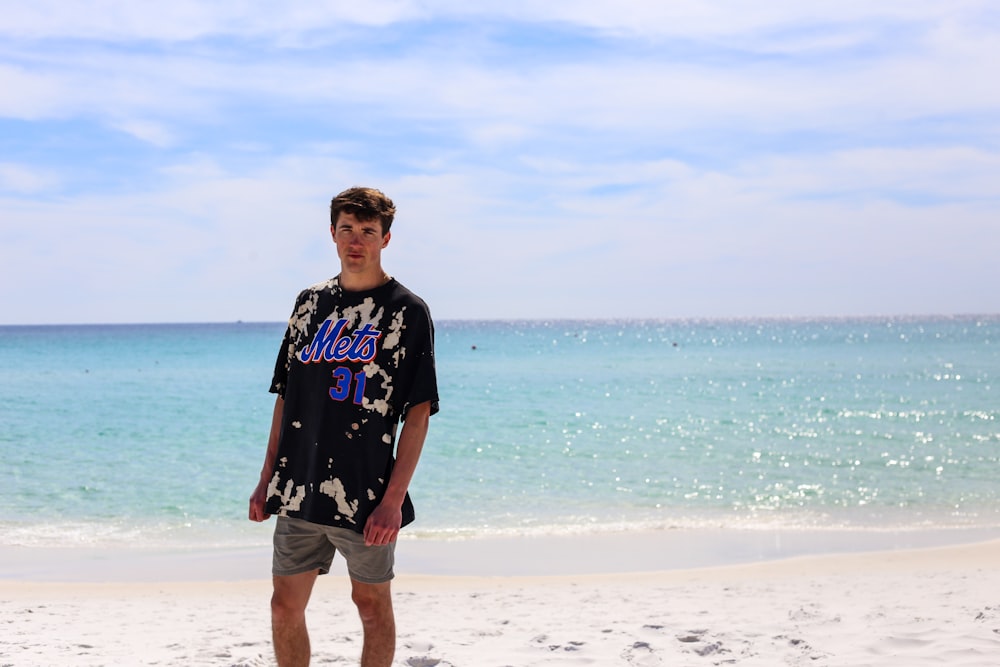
641, 654
422, 662
696, 638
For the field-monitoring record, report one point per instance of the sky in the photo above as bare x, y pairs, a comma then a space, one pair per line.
174, 162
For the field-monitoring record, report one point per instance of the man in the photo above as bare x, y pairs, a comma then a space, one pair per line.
357, 357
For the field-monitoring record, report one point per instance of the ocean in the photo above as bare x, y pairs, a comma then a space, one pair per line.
154, 435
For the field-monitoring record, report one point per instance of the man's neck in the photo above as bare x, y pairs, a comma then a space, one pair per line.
361, 282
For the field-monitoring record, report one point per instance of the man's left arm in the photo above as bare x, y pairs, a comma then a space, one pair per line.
385, 521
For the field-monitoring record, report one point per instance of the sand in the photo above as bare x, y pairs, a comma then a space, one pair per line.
901, 607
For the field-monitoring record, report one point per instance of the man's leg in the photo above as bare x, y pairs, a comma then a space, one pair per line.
374, 602
288, 618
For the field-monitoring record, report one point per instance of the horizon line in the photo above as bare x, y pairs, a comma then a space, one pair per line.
544, 320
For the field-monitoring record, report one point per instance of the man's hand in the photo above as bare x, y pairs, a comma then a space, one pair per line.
383, 525
257, 500
385, 521
259, 496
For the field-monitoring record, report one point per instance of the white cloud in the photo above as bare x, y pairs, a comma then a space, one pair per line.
24, 179
148, 131
683, 241
183, 20
719, 19
944, 72
303, 22
28, 95
654, 159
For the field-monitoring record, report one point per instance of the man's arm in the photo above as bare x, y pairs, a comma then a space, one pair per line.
259, 496
385, 521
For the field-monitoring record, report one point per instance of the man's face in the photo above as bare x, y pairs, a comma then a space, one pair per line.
359, 243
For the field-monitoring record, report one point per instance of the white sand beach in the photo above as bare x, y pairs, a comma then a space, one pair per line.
900, 607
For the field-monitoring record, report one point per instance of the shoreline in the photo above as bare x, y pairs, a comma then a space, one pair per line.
898, 608
539, 556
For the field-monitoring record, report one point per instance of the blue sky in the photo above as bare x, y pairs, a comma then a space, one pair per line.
557, 159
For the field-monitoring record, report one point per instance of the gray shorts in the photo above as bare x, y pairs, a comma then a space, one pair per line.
302, 546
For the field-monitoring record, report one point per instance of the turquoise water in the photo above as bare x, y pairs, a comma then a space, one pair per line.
154, 434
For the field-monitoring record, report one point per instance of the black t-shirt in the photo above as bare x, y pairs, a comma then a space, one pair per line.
350, 365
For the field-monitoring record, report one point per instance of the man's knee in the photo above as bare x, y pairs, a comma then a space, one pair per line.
291, 595
282, 606
374, 601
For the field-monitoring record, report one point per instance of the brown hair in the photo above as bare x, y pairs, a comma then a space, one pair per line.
364, 204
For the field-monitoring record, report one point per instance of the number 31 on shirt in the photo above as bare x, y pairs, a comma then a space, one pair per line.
343, 378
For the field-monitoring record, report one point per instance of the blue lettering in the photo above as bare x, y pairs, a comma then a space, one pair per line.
364, 345
341, 388
342, 383
359, 387
331, 344
321, 346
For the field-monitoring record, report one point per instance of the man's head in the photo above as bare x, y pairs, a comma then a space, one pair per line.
364, 204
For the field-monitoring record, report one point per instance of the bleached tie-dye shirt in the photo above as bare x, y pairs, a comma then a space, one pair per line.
350, 365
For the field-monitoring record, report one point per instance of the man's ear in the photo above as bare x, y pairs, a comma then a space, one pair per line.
385, 239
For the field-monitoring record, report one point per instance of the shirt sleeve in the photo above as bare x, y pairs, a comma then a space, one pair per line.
279, 380
423, 386
283, 363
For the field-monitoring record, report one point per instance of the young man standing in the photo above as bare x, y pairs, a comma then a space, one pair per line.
357, 358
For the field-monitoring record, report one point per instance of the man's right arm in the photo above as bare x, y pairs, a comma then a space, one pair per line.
259, 496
